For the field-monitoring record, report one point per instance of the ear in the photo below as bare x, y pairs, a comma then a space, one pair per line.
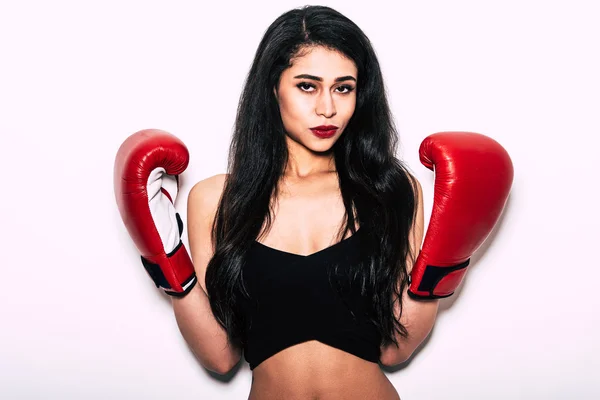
275, 94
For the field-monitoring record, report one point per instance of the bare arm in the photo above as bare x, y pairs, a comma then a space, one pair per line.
417, 316
205, 336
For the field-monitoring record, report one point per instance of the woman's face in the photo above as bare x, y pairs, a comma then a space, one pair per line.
317, 97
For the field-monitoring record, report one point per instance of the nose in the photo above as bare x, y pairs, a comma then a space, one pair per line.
325, 105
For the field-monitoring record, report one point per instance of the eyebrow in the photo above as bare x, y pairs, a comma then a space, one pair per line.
317, 78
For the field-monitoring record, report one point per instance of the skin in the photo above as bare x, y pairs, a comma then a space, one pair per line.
308, 214
309, 95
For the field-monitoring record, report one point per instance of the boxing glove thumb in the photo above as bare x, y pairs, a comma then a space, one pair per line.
473, 177
146, 170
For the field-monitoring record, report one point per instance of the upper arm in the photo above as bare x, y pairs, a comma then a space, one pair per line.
202, 204
415, 235
417, 316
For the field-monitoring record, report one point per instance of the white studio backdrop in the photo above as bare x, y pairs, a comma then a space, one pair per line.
82, 320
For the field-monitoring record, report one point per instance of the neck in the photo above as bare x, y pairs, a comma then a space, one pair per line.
303, 163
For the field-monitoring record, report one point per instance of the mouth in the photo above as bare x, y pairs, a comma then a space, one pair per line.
324, 131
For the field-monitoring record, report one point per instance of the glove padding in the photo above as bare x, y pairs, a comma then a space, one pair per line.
146, 183
473, 177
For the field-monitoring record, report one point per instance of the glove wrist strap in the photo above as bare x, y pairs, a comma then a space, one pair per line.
174, 274
438, 282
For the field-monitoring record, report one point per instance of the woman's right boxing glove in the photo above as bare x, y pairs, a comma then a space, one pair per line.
146, 172
473, 177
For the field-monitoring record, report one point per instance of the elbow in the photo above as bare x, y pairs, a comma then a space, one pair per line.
392, 356
224, 365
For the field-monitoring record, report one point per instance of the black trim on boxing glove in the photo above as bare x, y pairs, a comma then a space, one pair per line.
179, 225
192, 279
159, 278
431, 277
155, 273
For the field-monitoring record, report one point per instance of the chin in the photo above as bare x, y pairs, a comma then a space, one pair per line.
323, 151
313, 143
323, 148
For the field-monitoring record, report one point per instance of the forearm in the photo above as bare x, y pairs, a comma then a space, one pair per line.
205, 336
418, 317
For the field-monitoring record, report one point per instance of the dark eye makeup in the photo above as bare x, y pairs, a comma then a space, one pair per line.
305, 87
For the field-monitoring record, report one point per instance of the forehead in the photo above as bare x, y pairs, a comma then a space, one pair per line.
323, 62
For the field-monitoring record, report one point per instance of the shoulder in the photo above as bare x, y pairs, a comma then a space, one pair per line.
203, 201
417, 192
202, 204
417, 188
207, 192
211, 184
415, 185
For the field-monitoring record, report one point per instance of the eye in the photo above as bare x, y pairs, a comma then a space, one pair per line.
305, 87
344, 89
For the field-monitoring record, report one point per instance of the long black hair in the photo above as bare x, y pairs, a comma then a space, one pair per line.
377, 190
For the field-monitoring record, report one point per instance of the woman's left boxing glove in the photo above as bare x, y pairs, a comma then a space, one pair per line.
473, 178
146, 182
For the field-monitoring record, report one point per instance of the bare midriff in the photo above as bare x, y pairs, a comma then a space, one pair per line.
315, 371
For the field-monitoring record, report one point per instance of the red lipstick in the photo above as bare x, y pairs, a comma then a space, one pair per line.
324, 131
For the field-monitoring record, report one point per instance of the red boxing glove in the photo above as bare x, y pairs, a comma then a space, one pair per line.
146, 172
473, 177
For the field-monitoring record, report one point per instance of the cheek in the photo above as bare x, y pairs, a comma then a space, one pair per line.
294, 110
347, 108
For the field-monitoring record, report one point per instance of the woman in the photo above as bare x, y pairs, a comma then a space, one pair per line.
306, 245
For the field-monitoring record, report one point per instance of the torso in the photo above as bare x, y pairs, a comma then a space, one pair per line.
312, 370
307, 219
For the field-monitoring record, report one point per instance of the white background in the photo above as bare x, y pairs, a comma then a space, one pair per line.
80, 319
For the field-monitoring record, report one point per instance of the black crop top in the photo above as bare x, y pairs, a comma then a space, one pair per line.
292, 301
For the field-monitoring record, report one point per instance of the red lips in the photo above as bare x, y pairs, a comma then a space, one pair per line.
324, 131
